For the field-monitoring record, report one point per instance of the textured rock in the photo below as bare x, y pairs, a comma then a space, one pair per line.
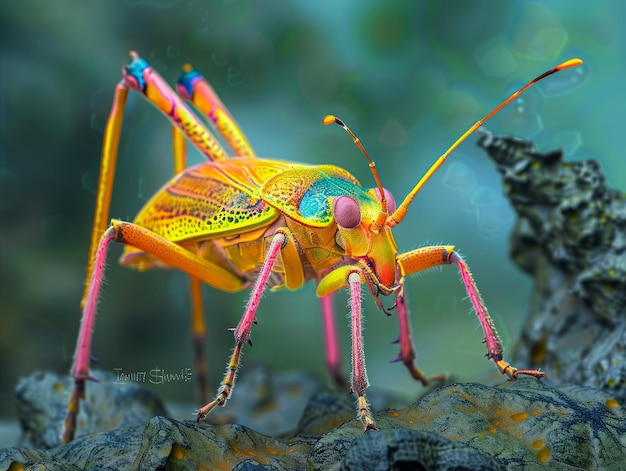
268, 403
523, 424
402, 448
570, 236
41, 401
168, 444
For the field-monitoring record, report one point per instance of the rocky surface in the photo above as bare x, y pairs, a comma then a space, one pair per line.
268, 403
41, 402
570, 236
521, 424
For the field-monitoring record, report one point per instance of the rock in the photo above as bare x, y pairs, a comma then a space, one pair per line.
269, 403
570, 236
402, 448
41, 401
523, 424
168, 444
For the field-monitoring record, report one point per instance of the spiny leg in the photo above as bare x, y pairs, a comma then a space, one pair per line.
242, 331
494, 345
428, 257
82, 355
359, 382
331, 343
149, 242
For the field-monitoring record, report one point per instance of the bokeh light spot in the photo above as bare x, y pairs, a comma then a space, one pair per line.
171, 52
492, 212
547, 43
393, 134
460, 177
495, 58
385, 27
89, 181
520, 119
538, 33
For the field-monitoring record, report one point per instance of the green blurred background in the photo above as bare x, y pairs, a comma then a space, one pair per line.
409, 77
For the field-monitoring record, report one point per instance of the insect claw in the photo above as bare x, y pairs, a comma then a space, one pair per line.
93, 378
255, 321
369, 427
249, 342
484, 340
231, 329
395, 359
396, 341
93, 359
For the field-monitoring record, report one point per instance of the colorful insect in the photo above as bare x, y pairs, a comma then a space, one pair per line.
243, 222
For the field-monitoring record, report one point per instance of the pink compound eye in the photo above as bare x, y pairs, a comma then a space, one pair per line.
391, 201
347, 212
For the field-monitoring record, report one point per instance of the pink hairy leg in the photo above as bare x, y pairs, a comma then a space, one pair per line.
83, 347
359, 382
428, 257
242, 331
494, 345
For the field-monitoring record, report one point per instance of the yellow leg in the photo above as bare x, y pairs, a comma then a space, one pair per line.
105, 180
177, 256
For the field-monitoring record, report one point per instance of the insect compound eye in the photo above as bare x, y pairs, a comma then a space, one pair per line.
347, 212
391, 201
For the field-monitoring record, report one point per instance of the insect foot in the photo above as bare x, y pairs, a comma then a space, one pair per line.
513, 373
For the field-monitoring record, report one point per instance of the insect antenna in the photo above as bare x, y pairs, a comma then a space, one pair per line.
382, 216
401, 210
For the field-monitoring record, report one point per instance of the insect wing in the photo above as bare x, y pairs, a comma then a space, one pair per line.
210, 201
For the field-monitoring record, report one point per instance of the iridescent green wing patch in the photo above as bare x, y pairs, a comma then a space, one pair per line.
304, 194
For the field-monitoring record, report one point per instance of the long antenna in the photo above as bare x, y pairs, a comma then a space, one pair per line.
401, 211
382, 216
